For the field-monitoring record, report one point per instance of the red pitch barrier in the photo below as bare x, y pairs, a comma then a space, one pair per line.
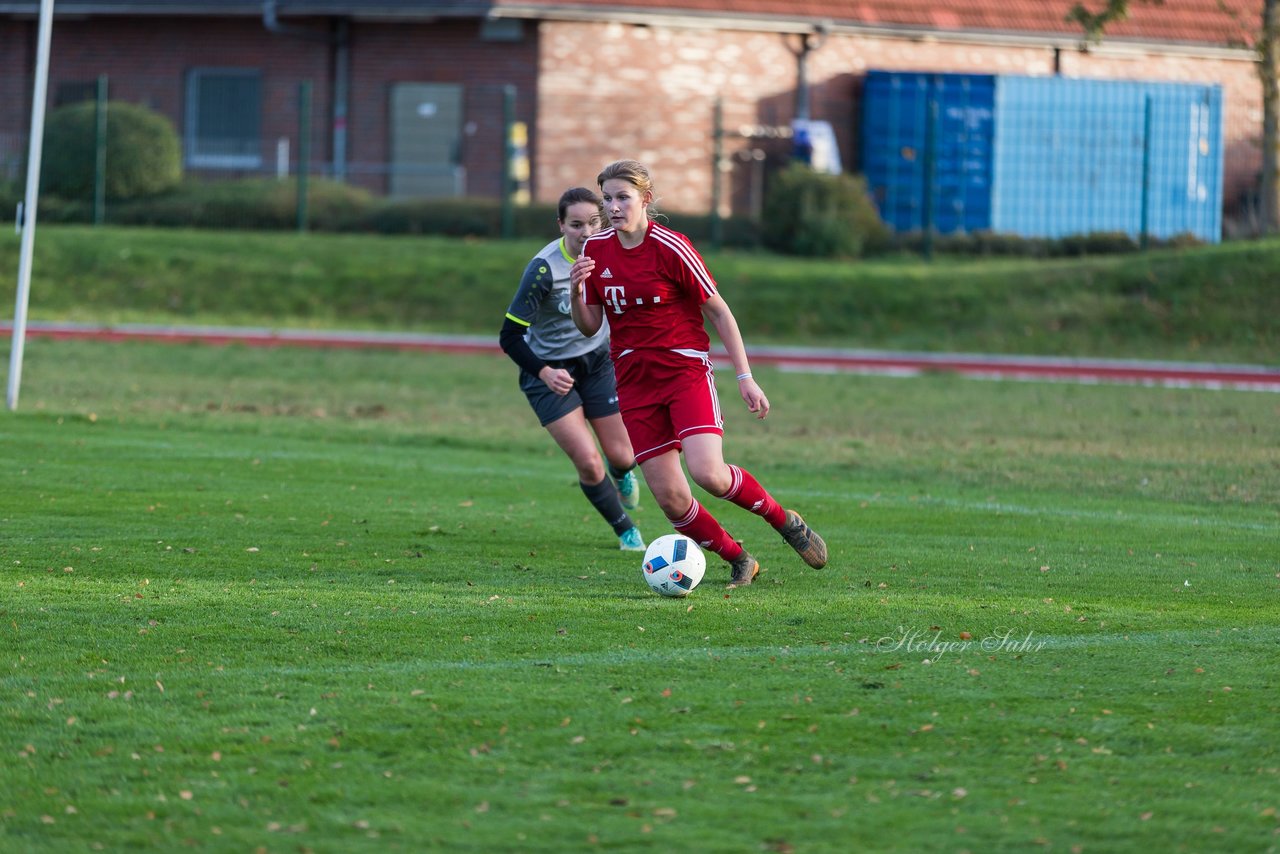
874, 362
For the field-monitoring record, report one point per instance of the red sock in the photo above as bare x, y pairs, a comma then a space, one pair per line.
701, 527
748, 494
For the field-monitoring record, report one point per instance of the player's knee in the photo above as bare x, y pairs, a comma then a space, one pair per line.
674, 502
714, 479
590, 469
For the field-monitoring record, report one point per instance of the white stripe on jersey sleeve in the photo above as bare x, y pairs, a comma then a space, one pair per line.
692, 260
599, 235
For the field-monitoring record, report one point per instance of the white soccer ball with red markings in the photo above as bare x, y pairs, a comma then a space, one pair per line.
673, 565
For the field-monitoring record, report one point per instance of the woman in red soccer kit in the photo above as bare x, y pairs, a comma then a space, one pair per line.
656, 292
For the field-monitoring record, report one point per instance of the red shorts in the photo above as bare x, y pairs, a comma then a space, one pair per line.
666, 395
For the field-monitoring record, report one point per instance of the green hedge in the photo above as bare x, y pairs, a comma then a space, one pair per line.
990, 244
270, 204
262, 204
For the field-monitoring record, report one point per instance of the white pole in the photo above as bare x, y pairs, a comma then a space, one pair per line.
282, 158
29, 207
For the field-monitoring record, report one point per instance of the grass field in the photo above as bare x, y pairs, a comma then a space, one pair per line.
300, 600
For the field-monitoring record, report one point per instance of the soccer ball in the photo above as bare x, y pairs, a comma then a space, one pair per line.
673, 565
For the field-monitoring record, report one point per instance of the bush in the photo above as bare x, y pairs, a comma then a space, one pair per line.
1097, 243
819, 215
143, 155
985, 244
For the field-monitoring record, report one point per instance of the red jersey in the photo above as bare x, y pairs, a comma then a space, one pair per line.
652, 294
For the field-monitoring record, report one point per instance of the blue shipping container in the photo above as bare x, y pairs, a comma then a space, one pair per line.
1077, 156
902, 113
1044, 156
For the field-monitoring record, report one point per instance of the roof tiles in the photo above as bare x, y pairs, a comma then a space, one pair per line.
1216, 22
1223, 23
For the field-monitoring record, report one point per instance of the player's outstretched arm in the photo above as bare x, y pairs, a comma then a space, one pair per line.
717, 311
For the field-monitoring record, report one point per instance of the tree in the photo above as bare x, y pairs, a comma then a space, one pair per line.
1266, 45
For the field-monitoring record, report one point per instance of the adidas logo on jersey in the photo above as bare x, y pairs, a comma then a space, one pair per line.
606, 274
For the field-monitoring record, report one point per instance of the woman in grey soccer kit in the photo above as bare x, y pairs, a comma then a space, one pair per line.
568, 378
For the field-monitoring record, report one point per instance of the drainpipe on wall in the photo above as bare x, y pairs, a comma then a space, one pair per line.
809, 42
341, 90
340, 41
802, 139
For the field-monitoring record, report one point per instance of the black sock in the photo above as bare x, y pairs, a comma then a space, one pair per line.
617, 473
604, 497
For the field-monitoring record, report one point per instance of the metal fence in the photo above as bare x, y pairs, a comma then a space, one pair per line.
429, 140
1030, 156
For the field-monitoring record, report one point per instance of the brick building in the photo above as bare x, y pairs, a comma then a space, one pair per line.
411, 97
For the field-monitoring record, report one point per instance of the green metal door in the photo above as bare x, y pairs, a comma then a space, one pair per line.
426, 140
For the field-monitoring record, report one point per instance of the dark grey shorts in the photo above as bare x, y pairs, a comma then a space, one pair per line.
593, 389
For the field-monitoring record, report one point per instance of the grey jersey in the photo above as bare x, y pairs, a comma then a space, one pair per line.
542, 305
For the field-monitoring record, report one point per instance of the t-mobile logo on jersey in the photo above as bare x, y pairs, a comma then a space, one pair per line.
615, 295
